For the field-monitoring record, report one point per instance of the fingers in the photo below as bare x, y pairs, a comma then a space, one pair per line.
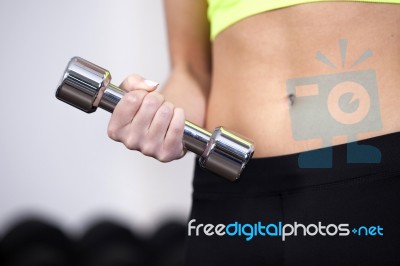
136, 82
150, 105
136, 88
144, 121
173, 138
160, 123
125, 110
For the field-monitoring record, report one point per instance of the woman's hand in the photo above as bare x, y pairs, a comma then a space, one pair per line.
144, 121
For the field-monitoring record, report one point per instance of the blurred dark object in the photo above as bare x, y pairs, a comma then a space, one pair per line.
168, 245
34, 242
111, 244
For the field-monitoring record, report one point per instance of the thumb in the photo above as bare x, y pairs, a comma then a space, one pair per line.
136, 82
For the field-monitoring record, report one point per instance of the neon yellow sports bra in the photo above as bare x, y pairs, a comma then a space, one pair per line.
223, 13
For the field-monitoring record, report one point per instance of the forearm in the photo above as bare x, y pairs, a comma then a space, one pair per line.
190, 57
190, 93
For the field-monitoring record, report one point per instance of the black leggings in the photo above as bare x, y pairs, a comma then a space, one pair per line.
365, 197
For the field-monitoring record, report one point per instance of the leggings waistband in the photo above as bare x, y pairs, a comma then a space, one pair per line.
282, 173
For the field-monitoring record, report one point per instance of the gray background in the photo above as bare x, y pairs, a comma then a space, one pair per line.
57, 161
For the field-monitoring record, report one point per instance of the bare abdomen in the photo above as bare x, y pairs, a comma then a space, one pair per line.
302, 77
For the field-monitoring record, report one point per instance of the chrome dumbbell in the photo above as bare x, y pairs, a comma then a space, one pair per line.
87, 86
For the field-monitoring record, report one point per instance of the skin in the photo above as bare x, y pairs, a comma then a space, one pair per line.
144, 121
245, 89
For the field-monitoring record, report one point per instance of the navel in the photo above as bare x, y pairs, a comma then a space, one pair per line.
291, 99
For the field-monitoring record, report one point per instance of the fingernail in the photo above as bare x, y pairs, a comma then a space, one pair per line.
151, 83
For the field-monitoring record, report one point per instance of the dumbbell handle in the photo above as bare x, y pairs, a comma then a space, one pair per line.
87, 86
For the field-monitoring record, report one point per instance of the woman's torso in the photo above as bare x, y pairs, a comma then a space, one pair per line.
261, 60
